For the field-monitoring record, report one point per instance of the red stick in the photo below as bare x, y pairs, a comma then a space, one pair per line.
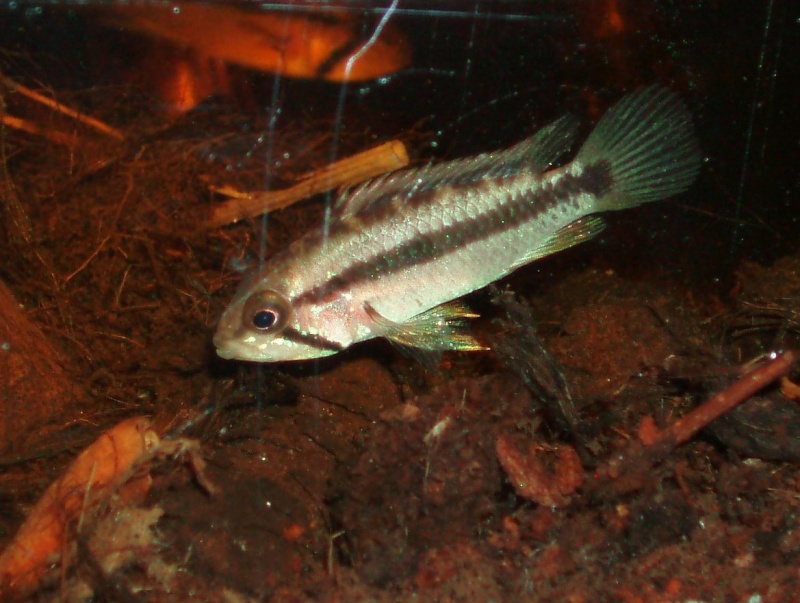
726, 400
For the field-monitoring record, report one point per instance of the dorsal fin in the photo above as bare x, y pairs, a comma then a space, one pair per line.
536, 153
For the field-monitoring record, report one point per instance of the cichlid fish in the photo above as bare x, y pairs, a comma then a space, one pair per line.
310, 44
404, 246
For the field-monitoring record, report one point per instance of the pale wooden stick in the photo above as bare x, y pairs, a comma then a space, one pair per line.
351, 170
56, 106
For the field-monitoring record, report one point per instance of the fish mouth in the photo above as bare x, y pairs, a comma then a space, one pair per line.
226, 354
223, 350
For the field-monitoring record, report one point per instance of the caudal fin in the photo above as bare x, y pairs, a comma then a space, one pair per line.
648, 140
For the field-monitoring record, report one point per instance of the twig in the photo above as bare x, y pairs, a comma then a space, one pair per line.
24, 125
627, 470
87, 260
92, 122
725, 401
351, 170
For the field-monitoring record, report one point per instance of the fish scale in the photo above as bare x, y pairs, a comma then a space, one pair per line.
403, 248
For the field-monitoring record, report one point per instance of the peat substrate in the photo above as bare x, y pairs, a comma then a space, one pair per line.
518, 474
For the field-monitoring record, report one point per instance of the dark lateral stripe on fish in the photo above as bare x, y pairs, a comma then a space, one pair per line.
315, 341
595, 180
336, 55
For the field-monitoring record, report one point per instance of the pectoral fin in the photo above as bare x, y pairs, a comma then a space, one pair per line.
425, 336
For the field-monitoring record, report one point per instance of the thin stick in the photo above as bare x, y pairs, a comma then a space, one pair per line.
56, 106
23, 125
87, 260
725, 401
628, 469
351, 170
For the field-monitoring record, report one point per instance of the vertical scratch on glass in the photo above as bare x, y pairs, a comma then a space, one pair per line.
337, 128
274, 111
773, 77
750, 127
470, 48
373, 38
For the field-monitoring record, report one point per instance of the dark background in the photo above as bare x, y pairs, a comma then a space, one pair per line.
485, 72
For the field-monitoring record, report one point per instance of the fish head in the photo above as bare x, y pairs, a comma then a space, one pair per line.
260, 325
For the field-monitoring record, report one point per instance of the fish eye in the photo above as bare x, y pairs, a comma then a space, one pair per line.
264, 319
267, 311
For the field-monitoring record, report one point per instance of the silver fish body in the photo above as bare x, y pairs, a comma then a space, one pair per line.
403, 247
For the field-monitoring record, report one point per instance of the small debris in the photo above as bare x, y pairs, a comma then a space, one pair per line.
531, 477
